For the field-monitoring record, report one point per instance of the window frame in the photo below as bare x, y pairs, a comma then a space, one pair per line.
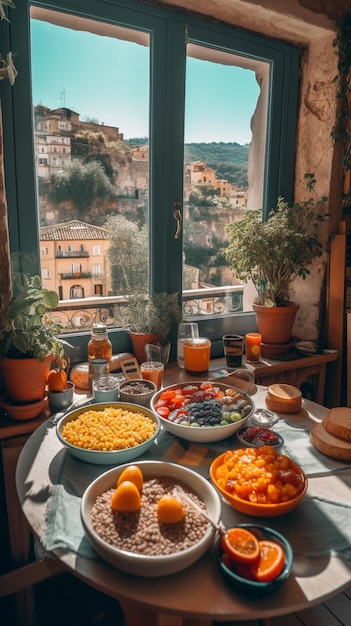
168, 30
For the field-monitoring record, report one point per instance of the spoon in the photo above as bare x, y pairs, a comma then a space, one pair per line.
219, 527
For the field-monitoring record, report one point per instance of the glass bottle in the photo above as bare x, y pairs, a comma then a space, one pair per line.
99, 351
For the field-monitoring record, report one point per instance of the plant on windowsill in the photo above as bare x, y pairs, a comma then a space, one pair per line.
151, 316
274, 253
30, 339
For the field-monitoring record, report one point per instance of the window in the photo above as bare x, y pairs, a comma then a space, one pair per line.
45, 273
174, 41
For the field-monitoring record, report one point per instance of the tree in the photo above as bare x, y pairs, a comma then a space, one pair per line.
128, 256
82, 183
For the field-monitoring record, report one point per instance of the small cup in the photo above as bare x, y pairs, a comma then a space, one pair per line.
253, 347
153, 370
186, 330
106, 388
197, 352
233, 350
61, 400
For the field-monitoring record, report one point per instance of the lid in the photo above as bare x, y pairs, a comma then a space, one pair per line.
99, 329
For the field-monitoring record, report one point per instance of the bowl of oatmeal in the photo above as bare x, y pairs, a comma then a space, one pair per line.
139, 542
108, 433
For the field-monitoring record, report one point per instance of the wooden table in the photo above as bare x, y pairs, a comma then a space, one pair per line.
197, 596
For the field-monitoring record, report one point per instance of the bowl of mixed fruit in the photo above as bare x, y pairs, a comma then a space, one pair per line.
202, 411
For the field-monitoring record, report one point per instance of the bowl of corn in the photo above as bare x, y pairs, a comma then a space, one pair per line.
108, 433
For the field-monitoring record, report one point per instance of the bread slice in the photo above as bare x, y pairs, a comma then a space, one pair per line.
338, 422
329, 444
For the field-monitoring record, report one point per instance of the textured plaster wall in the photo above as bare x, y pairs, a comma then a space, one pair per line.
310, 24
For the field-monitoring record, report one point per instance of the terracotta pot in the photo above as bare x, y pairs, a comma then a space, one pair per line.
25, 379
139, 341
275, 324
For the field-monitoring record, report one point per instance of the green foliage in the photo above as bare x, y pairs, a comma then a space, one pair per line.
157, 314
273, 253
30, 331
82, 184
128, 256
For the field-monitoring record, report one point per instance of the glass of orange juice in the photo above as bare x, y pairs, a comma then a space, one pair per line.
197, 351
153, 370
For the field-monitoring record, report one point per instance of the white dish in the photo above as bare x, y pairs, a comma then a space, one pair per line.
150, 566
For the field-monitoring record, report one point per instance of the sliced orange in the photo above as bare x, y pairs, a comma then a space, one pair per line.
241, 545
134, 474
170, 510
270, 563
126, 498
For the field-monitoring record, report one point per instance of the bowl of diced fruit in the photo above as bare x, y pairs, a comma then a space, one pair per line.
202, 411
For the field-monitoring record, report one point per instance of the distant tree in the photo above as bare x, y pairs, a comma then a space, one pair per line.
128, 256
81, 183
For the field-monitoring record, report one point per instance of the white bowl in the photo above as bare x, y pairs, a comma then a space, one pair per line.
108, 457
203, 434
150, 566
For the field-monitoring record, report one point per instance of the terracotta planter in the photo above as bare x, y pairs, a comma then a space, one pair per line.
275, 324
139, 341
25, 379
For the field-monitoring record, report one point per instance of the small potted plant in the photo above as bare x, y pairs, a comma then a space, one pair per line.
273, 254
29, 341
149, 319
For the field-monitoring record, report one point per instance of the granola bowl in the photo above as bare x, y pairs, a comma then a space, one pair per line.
142, 545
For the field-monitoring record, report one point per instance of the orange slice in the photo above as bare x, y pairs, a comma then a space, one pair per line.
270, 563
241, 545
126, 498
134, 474
170, 510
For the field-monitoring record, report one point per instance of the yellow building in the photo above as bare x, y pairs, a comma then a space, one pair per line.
74, 259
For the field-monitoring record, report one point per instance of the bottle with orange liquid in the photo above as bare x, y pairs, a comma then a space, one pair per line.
99, 352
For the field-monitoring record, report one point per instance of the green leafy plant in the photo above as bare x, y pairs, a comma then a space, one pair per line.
153, 314
273, 253
30, 331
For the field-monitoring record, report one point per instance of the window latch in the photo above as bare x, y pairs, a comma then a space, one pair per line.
178, 217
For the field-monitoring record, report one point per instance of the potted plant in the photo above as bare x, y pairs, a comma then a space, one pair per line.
273, 254
29, 341
149, 319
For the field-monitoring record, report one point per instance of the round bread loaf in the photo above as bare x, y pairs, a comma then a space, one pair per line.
329, 444
283, 398
338, 422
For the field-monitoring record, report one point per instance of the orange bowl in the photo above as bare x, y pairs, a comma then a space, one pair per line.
258, 509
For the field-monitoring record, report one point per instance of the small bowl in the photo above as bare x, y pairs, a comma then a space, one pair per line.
259, 431
21, 411
141, 564
255, 587
203, 434
128, 394
108, 457
253, 508
106, 388
61, 400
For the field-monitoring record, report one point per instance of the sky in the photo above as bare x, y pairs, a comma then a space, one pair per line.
79, 70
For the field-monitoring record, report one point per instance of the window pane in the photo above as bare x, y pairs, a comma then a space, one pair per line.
90, 84
222, 94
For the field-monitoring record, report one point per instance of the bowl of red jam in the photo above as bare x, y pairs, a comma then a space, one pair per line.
255, 436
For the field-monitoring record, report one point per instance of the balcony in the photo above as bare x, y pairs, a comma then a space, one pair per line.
71, 275
79, 314
60, 254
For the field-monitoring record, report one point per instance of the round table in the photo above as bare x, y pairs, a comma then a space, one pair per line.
199, 595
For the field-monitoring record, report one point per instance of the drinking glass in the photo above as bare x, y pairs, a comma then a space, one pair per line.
153, 370
186, 330
197, 352
233, 350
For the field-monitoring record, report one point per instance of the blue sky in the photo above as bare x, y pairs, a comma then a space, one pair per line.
79, 70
